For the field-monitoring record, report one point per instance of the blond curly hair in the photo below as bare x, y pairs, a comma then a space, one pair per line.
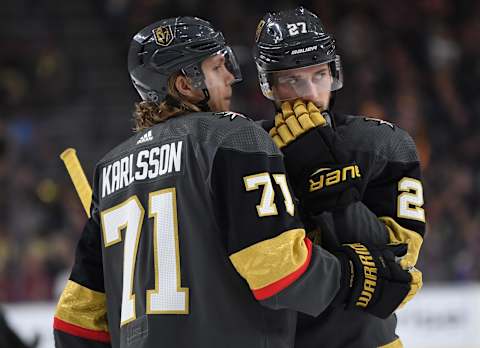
148, 114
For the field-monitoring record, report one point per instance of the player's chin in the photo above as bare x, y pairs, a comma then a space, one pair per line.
226, 103
321, 106
220, 105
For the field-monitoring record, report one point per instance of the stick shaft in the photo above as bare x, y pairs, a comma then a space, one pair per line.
75, 170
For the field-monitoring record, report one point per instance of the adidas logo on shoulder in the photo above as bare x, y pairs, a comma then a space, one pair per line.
146, 137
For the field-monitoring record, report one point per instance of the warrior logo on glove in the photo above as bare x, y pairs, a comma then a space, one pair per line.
371, 272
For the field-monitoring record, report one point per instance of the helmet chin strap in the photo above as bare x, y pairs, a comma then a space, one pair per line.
203, 104
331, 103
172, 101
195, 75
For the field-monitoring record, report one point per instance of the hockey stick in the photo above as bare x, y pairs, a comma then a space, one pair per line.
74, 168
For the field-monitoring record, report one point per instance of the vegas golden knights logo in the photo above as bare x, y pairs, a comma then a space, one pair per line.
163, 35
259, 30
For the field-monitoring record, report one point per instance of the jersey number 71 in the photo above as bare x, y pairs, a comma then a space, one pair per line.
168, 297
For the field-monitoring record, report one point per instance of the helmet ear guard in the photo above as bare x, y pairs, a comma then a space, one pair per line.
194, 74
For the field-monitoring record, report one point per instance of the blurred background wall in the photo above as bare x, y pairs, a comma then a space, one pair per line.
64, 83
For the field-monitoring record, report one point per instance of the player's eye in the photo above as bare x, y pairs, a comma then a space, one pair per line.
320, 75
218, 67
289, 80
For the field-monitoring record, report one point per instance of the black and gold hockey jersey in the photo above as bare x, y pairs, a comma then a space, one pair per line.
193, 241
391, 210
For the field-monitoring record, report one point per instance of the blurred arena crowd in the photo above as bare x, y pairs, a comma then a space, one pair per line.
64, 83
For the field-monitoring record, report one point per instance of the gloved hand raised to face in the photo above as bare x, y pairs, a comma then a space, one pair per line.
291, 123
318, 168
373, 281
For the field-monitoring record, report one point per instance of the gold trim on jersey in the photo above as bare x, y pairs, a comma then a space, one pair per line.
271, 260
156, 251
258, 31
395, 344
410, 201
119, 230
399, 234
83, 307
123, 227
267, 206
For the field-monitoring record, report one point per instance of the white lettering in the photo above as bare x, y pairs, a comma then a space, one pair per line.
124, 172
164, 151
130, 172
175, 157
115, 176
106, 188
142, 155
153, 173
149, 163
304, 50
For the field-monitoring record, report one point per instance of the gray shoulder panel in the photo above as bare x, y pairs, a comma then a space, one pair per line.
233, 131
251, 138
386, 140
205, 127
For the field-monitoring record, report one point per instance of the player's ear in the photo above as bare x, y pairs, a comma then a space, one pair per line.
183, 86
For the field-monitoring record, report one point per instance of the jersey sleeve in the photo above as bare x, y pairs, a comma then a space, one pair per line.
392, 208
265, 239
354, 223
81, 314
396, 197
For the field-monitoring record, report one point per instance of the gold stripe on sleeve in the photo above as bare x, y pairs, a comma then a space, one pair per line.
395, 344
83, 307
271, 260
399, 234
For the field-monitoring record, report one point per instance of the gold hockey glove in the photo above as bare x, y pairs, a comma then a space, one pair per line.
293, 122
322, 175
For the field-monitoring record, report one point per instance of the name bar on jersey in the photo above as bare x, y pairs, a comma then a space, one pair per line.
147, 164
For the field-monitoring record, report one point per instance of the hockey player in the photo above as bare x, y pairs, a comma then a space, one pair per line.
194, 239
357, 178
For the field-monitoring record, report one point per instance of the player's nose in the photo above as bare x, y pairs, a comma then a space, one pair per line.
228, 77
310, 92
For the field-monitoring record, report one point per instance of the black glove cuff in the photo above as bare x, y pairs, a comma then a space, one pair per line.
305, 154
346, 279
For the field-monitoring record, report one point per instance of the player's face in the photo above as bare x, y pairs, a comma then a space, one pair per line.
310, 84
218, 80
